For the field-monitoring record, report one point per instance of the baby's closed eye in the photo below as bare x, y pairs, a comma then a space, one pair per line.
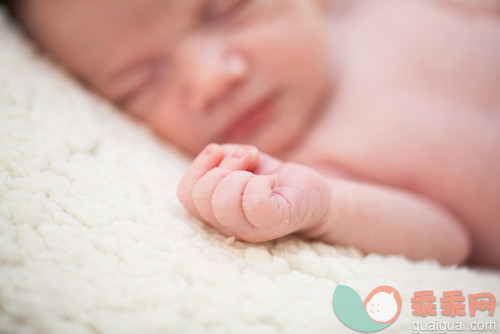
140, 80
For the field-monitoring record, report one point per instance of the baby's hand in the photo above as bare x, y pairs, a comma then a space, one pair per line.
253, 196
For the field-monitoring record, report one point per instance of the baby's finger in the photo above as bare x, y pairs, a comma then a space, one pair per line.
209, 158
202, 196
203, 190
226, 201
239, 157
264, 209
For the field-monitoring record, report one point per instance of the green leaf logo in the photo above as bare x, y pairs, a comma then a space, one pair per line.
380, 308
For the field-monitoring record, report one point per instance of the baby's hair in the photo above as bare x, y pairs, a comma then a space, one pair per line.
9, 4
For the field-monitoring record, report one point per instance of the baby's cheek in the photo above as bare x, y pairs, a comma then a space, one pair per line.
177, 131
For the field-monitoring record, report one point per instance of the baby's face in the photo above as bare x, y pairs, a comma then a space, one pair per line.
197, 71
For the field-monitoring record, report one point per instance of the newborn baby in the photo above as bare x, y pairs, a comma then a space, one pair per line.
373, 124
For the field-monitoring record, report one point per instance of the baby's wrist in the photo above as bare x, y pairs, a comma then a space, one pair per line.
320, 226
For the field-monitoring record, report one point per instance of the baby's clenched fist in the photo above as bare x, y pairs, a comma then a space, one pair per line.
252, 196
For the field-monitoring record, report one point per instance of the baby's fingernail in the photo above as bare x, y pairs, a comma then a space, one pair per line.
238, 153
252, 150
210, 149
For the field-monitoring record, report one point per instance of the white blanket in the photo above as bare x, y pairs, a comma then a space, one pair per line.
94, 240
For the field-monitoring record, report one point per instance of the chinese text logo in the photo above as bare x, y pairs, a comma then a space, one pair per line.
452, 303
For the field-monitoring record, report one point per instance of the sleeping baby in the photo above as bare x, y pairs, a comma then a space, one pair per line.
373, 124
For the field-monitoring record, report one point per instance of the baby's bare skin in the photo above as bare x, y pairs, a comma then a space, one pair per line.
409, 154
389, 143
436, 129
259, 198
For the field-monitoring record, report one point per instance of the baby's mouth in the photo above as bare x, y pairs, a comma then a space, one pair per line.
254, 116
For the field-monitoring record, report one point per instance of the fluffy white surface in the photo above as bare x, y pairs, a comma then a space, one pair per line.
93, 239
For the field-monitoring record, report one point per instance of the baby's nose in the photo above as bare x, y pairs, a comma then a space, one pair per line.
210, 74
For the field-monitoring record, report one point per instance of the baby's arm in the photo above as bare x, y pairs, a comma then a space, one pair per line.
258, 198
389, 221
